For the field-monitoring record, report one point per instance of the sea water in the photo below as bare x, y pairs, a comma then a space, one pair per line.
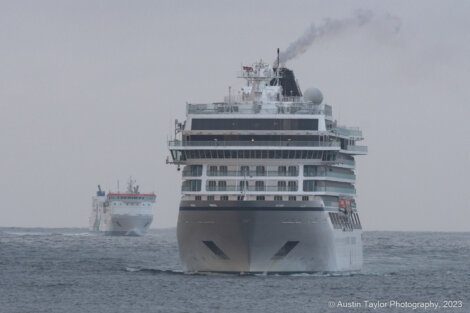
71, 270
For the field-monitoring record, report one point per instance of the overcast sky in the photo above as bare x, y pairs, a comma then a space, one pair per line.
89, 91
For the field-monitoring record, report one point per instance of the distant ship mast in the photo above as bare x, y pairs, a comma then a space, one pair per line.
131, 188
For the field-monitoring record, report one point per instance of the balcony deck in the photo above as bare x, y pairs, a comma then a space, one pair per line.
243, 145
353, 149
288, 105
231, 189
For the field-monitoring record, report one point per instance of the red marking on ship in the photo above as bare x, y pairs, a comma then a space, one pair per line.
131, 195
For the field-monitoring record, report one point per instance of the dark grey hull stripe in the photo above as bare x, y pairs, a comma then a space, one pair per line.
208, 208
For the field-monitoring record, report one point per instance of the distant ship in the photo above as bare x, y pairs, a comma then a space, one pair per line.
268, 180
128, 214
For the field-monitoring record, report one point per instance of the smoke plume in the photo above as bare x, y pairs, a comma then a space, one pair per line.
327, 28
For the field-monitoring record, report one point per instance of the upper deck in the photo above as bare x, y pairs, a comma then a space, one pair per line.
286, 106
268, 118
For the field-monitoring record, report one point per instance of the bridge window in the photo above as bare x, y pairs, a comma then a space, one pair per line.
254, 124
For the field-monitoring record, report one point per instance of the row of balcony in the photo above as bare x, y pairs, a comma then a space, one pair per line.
236, 188
244, 173
254, 143
269, 174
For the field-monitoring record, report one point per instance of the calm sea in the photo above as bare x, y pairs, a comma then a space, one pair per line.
70, 270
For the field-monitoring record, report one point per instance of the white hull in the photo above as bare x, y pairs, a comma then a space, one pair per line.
128, 225
117, 218
262, 240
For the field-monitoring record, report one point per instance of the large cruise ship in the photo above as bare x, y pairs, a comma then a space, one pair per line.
129, 213
268, 180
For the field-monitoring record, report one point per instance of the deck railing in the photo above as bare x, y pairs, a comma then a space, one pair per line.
237, 188
251, 188
332, 174
253, 173
288, 143
349, 191
348, 131
356, 148
290, 105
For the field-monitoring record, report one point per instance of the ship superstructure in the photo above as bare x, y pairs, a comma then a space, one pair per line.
268, 180
129, 213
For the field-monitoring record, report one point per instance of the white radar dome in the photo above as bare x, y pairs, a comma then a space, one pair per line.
313, 94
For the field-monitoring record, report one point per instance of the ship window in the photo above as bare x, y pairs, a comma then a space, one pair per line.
197, 198
210, 198
260, 198
309, 185
211, 185
191, 185
281, 185
223, 170
260, 171
240, 198
282, 170
292, 185
245, 170
212, 171
254, 124
292, 198
243, 185
224, 198
222, 185
277, 198
310, 170
259, 185
304, 198
293, 171
195, 170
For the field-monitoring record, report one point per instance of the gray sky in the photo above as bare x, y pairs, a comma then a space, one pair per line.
89, 91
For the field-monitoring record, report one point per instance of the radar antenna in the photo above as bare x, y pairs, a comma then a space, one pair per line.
100, 192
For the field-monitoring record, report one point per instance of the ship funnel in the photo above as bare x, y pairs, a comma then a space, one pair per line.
287, 80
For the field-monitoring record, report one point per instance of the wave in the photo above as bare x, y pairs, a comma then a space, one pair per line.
37, 233
153, 270
156, 271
